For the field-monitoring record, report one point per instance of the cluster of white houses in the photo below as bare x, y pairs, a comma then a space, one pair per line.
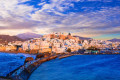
57, 43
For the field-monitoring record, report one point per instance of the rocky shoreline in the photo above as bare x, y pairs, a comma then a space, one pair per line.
23, 72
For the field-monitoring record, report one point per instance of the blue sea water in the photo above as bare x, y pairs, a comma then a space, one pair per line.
80, 67
10, 62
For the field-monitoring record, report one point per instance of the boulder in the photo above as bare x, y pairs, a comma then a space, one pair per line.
28, 59
39, 56
46, 54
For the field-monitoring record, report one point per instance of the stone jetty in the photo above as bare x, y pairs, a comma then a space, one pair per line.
65, 56
23, 72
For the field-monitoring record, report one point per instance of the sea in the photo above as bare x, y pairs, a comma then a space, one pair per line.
80, 67
10, 62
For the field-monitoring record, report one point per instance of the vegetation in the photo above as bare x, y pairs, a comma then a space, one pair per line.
69, 50
69, 33
28, 50
93, 48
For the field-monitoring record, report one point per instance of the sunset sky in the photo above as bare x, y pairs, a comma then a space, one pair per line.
98, 19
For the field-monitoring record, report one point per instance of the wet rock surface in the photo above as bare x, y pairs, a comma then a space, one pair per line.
28, 59
39, 56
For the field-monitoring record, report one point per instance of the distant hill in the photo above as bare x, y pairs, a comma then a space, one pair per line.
7, 38
114, 40
28, 35
83, 38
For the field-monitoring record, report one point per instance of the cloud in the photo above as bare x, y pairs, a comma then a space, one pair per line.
15, 16
105, 21
57, 5
19, 17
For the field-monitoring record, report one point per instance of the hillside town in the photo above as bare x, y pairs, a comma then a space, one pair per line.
61, 43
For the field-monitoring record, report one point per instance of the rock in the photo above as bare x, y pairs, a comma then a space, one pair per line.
28, 59
46, 54
39, 56
21, 57
44, 60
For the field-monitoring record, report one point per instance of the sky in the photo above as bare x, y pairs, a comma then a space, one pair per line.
98, 19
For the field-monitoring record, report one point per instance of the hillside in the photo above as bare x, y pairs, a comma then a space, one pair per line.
7, 38
114, 40
28, 35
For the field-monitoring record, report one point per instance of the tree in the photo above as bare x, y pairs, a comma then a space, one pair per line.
69, 50
92, 48
69, 34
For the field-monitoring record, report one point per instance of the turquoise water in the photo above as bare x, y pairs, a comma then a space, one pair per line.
80, 67
10, 62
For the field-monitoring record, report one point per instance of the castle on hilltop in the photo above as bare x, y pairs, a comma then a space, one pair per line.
59, 35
